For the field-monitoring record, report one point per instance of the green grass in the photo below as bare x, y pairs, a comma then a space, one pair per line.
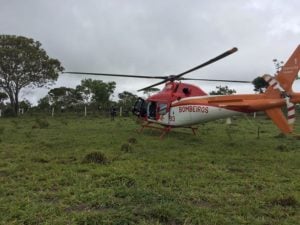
95, 171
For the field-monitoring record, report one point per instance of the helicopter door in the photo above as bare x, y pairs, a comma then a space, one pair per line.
140, 108
163, 112
151, 110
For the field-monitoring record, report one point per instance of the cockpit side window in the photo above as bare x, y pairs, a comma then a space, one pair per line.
162, 108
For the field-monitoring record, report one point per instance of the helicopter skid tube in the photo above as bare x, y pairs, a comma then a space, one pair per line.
164, 129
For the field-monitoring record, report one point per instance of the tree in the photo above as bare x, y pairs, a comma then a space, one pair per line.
24, 64
25, 105
3, 96
98, 90
84, 94
44, 103
127, 100
62, 96
260, 84
278, 65
223, 91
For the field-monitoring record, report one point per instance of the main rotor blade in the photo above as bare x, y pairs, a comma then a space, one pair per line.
153, 85
223, 55
119, 75
231, 81
227, 53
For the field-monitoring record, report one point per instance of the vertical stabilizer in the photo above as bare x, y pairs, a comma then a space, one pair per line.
282, 84
289, 72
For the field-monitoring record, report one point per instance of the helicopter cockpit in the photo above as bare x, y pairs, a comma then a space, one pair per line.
143, 108
140, 108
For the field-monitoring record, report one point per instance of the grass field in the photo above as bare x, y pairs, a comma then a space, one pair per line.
95, 171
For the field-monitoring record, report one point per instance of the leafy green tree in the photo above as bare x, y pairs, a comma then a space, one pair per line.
63, 96
99, 92
44, 103
127, 100
84, 94
25, 105
223, 91
24, 64
260, 84
3, 96
278, 65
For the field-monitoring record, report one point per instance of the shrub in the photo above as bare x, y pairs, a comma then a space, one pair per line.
282, 147
132, 140
2, 130
35, 126
126, 147
95, 157
289, 201
42, 123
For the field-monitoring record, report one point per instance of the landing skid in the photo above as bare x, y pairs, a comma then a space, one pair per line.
164, 129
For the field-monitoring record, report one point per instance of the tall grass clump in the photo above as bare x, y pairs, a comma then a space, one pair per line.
95, 157
2, 130
41, 123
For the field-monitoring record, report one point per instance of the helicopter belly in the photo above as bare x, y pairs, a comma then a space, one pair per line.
193, 114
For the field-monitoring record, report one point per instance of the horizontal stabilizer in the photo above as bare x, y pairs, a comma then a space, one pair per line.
279, 119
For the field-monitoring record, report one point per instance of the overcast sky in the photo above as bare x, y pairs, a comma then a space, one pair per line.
157, 37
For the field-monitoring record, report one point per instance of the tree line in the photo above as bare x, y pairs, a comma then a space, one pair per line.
24, 63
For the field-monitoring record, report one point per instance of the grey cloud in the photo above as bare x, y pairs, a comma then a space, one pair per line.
157, 37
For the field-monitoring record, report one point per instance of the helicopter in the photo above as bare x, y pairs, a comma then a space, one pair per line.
181, 104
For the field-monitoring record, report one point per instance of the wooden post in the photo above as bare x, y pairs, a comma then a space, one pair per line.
120, 111
52, 114
85, 110
228, 121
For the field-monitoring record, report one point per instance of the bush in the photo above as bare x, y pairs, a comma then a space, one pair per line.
132, 140
2, 130
288, 201
126, 147
282, 148
95, 157
42, 123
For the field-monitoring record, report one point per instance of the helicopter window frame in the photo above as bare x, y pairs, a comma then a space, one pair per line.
162, 108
